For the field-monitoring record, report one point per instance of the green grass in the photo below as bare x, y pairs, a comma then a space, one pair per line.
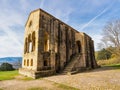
7, 75
117, 66
1, 89
27, 78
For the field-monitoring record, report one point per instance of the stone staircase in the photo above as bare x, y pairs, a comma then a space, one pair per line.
69, 68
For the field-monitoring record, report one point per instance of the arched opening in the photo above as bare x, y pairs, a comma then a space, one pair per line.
45, 63
29, 43
46, 42
31, 62
30, 23
24, 62
56, 47
25, 46
28, 62
78, 46
33, 41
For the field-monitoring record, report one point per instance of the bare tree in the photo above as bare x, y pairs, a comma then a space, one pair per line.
111, 36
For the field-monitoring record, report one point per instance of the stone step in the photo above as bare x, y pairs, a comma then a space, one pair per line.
67, 71
69, 67
70, 73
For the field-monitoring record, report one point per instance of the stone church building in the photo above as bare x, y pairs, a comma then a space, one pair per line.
51, 46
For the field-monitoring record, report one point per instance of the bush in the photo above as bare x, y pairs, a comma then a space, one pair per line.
109, 62
6, 67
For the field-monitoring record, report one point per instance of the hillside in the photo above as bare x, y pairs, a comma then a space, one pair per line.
15, 61
10, 59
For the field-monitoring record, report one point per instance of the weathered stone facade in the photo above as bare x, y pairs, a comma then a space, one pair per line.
52, 46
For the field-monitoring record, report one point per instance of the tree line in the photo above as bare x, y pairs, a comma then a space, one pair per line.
110, 42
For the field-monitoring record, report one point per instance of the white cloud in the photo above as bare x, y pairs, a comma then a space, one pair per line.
42, 3
93, 19
57, 9
97, 39
24, 4
12, 16
11, 44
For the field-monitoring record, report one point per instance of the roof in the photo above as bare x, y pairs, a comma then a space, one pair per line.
53, 17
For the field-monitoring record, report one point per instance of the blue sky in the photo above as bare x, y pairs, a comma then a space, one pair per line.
89, 16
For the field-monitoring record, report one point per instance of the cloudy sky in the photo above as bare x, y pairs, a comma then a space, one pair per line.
89, 16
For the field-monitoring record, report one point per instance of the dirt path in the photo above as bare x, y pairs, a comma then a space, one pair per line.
25, 85
98, 79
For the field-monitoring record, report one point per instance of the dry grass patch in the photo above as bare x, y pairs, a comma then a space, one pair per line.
21, 77
38, 88
65, 87
109, 62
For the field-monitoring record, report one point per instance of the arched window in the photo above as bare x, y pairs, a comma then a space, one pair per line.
78, 46
25, 46
45, 63
30, 24
31, 62
56, 47
29, 43
28, 62
46, 42
33, 41
24, 62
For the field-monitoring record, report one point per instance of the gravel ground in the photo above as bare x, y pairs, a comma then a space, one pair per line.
104, 78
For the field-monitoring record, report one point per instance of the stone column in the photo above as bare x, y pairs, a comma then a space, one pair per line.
52, 44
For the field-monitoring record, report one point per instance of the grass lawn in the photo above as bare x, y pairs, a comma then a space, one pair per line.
7, 75
116, 66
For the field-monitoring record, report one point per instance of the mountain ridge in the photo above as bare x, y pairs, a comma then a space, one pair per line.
10, 59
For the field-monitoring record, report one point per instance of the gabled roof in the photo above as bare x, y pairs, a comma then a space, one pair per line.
53, 17
30, 14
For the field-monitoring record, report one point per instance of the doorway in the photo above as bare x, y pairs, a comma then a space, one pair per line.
78, 46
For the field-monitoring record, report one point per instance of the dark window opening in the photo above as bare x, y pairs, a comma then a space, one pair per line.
45, 63
30, 24
79, 46
28, 62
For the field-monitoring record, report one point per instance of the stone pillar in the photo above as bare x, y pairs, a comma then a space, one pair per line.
84, 55
52, 44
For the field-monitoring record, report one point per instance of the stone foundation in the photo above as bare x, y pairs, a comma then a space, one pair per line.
35, 74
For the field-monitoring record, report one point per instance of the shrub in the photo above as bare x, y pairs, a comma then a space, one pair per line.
109, 62
6, 67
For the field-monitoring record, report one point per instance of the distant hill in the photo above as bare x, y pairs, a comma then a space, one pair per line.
12, 60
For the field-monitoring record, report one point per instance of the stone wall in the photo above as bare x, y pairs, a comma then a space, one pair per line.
50, 44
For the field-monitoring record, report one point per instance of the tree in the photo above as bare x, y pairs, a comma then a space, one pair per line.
103, 55
111, 36
6, 67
